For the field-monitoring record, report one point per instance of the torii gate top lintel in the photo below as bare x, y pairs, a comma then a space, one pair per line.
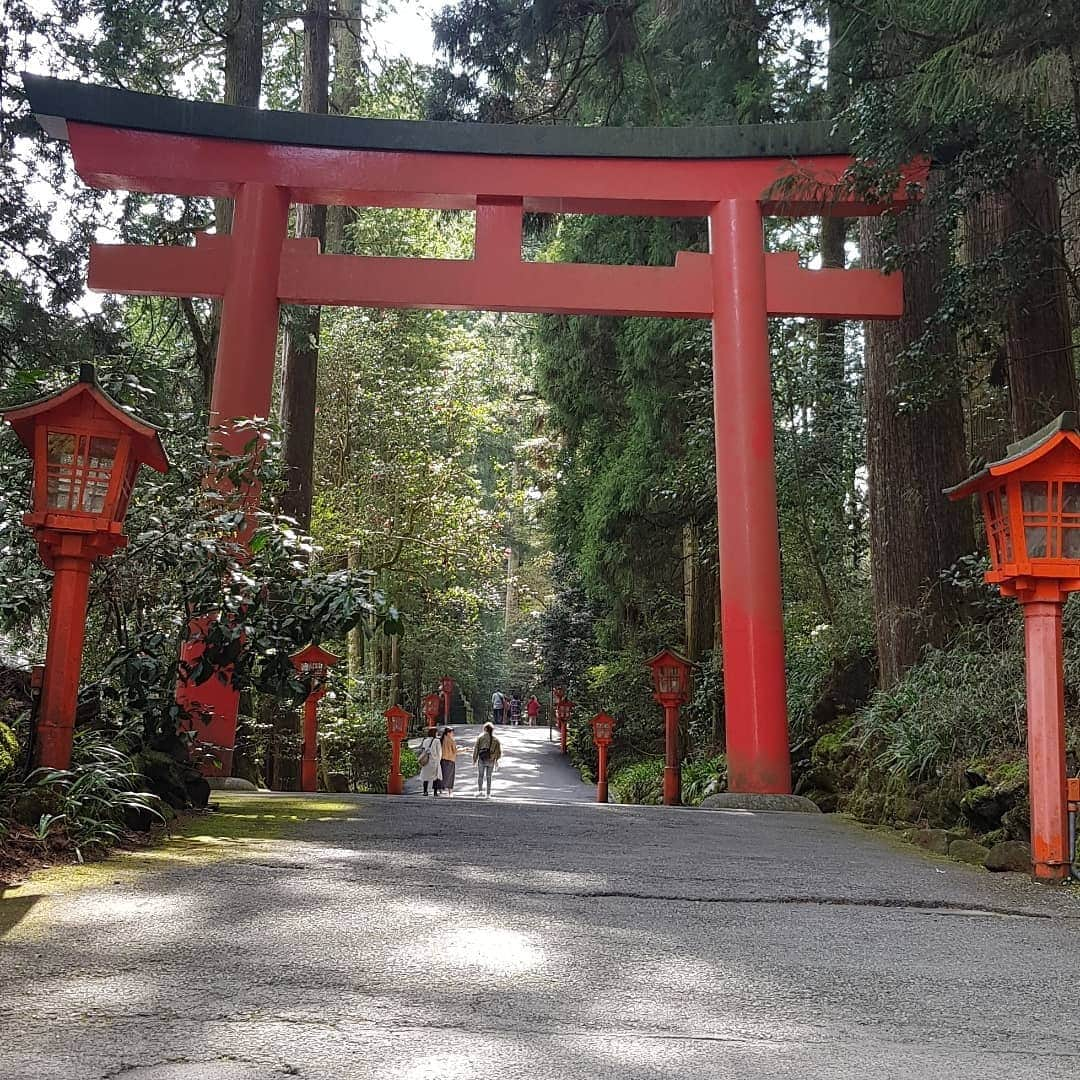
267, 161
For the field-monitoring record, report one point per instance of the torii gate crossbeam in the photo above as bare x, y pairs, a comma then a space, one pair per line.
268, 161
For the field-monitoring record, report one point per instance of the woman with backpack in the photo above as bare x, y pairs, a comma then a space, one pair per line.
429, 754
486, 753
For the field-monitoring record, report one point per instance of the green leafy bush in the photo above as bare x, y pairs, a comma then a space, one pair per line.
9, 751
702, 777
957, 704
85, 809
642, 782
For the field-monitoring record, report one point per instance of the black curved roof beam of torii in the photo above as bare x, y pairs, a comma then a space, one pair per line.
140, 142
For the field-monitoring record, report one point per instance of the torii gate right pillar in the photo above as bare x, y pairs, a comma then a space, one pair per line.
755, 698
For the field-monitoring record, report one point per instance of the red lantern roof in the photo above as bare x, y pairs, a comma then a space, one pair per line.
313, 655
86, 405
1025, 453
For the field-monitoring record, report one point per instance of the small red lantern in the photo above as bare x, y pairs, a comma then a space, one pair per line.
558, 693
446, 689
313, 664
432, 706
86, 451
671, 688
1030, 503
671, 677
397, 727
603, 727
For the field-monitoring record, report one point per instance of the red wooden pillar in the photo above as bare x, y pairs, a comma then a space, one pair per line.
63, 657
1046, 740
308, 772
672, 768
753, 632
395, 785
601, 773
243, 386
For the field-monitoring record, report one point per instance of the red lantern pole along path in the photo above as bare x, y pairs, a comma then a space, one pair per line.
734, 176
562, 713
603, 727
86, 451
397, 728
671, 682
312, 664
446, 689
1030, 504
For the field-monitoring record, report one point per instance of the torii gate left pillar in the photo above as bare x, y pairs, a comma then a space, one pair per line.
500, 173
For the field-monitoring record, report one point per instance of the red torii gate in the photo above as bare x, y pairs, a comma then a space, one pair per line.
267, 161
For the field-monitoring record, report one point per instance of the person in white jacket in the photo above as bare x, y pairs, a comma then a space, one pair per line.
430, 754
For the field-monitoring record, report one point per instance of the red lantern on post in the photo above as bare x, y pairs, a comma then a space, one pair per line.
432, 706
313, 664
671, 687
397, 728
603, 727
562, 714
1030, 502
86, 451
446, 690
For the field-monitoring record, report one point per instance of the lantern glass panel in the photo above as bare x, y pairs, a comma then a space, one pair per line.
78, 470
996, 511
1035, 500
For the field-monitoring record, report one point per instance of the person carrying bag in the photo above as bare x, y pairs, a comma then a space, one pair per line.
486, 753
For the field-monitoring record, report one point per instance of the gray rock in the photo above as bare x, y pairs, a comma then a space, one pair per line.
230, 783
1011, 855
935, 840
737, 800
967, 851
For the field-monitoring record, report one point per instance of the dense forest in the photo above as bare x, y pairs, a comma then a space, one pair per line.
524, 502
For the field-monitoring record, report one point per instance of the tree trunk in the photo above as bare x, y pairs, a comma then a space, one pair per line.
346, 36
699, 589
912, 453
243, 72
301, 366
1038, 330
243, 30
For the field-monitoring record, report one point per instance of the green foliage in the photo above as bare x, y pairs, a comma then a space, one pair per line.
957, 704
9, 751
642, 782
85, 809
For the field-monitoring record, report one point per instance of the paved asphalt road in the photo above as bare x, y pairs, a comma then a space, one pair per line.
411, 939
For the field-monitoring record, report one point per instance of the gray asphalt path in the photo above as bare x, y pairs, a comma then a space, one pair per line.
412, 939
531, 768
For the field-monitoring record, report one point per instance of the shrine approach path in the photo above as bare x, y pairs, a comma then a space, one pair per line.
335, 937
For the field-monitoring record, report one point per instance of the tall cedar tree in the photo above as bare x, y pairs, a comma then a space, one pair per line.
300, 372
913, 451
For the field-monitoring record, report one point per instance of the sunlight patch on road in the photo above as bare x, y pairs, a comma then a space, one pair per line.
442, 1066
491, 948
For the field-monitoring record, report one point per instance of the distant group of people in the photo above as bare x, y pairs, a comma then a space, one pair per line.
506, 709
438, 755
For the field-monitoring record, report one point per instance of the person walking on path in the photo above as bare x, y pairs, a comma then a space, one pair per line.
429, 753
486, 753
448, 761
497, 702
515, 710
532, 710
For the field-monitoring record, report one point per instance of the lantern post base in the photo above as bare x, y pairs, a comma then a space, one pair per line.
562, 738
601, 774
394, 783
672, 768
63, 657
1050, 853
